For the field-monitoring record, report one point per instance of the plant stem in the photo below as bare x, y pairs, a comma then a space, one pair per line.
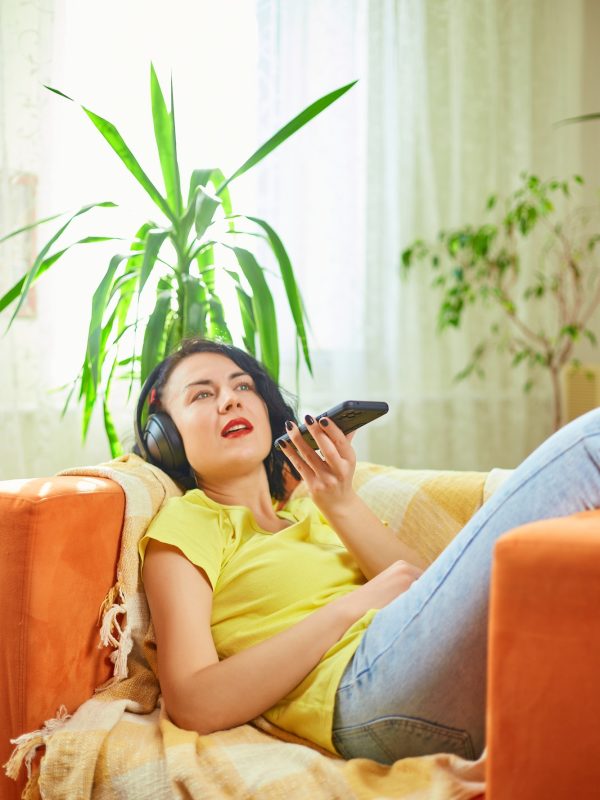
183, 268
557, 399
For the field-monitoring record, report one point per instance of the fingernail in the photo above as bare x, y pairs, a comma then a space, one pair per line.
309, 420
323, 422
282, 444
288, 424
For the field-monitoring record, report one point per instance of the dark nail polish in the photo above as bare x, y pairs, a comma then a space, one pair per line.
288, 425
282, 444
324, 422
309, 420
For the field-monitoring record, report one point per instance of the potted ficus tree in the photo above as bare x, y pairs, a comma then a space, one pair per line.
483, 265
182, 251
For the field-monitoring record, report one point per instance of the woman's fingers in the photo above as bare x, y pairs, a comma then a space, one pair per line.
300, 452
336, 452
328, 475
332, 440
328, 450
296, 460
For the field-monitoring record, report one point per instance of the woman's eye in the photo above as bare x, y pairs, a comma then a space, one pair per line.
246, 386
201, 395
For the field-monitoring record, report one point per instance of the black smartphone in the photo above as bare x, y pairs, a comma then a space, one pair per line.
348, 416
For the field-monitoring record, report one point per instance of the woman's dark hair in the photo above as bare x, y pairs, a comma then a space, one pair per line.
278, 408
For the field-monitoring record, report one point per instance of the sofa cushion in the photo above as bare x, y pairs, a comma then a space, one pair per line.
425, 508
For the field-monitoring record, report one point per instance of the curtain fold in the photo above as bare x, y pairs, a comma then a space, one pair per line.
455, 100
24, 55
100, 55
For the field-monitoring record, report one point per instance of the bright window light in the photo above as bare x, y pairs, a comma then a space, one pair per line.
101, 57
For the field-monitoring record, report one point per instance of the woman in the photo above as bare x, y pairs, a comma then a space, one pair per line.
313, 613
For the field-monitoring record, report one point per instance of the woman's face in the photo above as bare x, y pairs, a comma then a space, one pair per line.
223, 421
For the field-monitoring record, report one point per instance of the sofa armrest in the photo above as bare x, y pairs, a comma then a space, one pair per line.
544, 659
59, 544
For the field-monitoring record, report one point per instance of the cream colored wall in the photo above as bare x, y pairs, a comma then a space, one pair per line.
590, 134
591, 92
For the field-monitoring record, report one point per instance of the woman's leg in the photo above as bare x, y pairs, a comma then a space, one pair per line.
417, 682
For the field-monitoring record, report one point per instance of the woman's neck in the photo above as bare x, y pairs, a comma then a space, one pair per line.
251, 492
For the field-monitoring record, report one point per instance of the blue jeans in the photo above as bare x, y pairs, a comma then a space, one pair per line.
417, 682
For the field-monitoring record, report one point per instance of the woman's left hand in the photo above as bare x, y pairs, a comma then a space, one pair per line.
328, 476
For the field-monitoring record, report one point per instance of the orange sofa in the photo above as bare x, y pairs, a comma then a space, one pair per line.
59, 540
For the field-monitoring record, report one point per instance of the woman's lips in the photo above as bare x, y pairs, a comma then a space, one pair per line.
241, 423
237, 434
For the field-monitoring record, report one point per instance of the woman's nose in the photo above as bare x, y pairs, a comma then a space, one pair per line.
228, 400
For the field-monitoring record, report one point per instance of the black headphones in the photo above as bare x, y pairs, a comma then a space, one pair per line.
159, 441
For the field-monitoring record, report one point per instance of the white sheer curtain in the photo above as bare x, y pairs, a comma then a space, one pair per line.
314, 187
25, 35
455, 99
52, 159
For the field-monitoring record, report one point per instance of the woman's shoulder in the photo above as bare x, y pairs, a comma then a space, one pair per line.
192, 523
192, 502
185, 515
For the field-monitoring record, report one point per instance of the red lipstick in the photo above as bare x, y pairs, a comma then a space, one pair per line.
237, 427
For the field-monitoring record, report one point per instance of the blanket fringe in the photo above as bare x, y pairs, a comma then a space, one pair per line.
109, 623
22, 752
108, 600
121, 640
32, 790
28, 743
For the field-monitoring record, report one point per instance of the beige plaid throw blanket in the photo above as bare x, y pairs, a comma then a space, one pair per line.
121, 744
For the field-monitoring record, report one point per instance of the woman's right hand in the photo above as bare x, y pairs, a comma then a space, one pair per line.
380, 590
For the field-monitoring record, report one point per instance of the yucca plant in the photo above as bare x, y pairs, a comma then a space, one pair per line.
182, 252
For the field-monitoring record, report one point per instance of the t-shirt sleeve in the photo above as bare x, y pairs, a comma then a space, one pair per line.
194, 529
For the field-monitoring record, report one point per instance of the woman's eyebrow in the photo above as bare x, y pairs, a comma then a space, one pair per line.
209, 382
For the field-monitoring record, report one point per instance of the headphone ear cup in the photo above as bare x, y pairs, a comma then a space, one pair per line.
164, 444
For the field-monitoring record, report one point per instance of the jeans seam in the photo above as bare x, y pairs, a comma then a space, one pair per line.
367, 669
458, 736
461, 738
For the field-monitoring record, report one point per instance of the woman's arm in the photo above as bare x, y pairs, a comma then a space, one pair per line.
329, 481
204, 694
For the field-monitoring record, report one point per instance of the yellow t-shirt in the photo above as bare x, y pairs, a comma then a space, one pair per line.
264, 583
